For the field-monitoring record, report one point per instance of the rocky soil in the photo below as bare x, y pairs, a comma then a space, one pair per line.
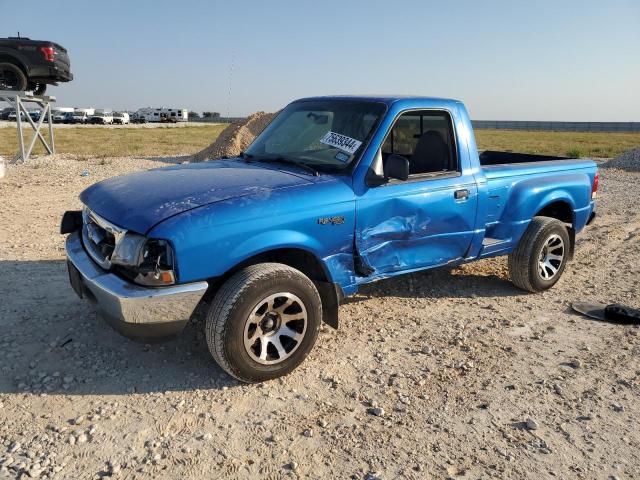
441, 374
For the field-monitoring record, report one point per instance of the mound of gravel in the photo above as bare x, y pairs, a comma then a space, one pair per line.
235, 138
629, 161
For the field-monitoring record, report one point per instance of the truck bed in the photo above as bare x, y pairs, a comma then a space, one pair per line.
517, 183
491, 157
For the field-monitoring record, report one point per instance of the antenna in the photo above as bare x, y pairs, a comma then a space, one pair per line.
18, 33
230, 78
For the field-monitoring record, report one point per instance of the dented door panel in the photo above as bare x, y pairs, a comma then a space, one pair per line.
413, 225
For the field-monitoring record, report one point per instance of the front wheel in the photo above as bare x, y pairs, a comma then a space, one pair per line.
263, 322
539, 260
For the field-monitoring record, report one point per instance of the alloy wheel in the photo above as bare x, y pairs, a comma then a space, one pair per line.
275, 328
551, 257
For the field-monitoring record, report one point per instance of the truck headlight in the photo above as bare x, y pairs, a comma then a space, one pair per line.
150, 260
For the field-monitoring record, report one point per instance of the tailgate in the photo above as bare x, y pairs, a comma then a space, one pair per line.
62, 58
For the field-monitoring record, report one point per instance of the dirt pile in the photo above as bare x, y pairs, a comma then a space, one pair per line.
629, 161
235, 138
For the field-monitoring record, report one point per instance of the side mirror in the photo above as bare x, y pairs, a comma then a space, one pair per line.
396, 167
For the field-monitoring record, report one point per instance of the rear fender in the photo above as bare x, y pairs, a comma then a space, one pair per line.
531, 196
16, 59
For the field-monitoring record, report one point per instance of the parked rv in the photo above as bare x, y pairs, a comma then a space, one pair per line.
165, 115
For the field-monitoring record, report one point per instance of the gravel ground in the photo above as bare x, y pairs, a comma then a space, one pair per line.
445, 374
629, 161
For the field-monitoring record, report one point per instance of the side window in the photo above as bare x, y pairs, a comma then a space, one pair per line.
426, 139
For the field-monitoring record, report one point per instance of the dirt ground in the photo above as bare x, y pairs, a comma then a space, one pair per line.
441, 374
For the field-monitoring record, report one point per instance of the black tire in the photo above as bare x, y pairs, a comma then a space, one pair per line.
525, 267
234, 304
12, 77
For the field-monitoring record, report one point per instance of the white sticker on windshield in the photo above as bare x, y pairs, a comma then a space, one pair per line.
344, 143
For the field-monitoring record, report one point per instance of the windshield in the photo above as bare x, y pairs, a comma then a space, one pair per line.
320, 133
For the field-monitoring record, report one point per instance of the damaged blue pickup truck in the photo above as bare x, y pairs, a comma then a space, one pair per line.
336, 192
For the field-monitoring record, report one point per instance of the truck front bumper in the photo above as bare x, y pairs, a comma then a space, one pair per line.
140, 313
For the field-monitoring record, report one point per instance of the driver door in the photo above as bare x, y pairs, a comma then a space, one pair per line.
426, 220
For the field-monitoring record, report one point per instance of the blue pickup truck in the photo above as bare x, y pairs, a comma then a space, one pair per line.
336, 192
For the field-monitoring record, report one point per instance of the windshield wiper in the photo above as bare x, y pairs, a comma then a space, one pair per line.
288, 161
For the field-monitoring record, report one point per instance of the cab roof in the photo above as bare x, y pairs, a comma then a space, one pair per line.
386, 99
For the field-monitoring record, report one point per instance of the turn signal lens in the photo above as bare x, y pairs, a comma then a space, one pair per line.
166, 277
594, 189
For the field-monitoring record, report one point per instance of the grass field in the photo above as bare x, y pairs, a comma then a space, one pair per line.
97, 142
108, 142
571, 144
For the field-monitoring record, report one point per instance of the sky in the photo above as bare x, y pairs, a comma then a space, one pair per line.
507, 60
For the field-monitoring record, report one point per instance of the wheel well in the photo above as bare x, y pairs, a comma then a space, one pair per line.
296, 258
301, 260
561, 211
4, 58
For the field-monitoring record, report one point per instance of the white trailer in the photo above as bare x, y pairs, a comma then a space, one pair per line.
163, 114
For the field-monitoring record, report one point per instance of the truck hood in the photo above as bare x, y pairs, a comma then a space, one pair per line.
141, 200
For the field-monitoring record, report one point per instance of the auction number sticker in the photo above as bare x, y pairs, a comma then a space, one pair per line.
344, 143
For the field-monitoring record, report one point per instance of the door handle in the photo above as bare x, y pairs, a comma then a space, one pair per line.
461, 194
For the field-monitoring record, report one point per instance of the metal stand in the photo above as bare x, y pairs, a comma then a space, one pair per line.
17, 99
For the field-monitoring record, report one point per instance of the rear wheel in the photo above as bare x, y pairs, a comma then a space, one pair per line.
539, 260
263, 322
12, 77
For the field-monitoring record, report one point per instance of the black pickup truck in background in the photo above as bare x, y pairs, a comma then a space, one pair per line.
27, 64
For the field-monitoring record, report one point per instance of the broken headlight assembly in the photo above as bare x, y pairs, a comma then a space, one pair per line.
147, 261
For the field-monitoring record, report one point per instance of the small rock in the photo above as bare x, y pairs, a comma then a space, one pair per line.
532, 424
113, 468
377, 411
15, 446
322, 423
617, 407
35, 471
207, 437
82, 438
575, 363
293, 466
373, 476
78, 420
308, 432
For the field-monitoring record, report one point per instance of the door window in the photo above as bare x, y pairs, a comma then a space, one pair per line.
426, 139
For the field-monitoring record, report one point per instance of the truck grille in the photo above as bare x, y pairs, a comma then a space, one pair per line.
100, 237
